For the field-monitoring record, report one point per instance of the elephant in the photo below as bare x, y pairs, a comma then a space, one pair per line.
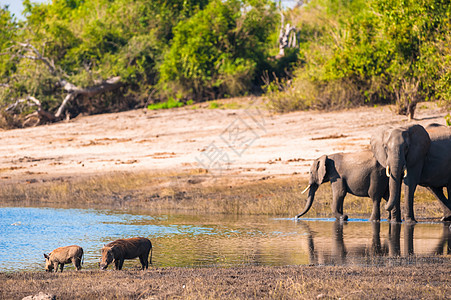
409, 154
356, 173
445, 241
436, 173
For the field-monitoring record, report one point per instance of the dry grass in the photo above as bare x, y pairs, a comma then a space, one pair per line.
428, 281
195, 191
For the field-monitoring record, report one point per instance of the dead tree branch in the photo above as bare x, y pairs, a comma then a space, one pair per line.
287, 36
73, 91
30, 101
49, 63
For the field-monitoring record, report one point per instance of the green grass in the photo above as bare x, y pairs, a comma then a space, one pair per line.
213, 105
171, 103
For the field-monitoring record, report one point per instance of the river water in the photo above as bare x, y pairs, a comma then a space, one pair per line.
216, 240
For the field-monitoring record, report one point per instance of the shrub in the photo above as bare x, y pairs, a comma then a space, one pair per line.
367, 52
218, 51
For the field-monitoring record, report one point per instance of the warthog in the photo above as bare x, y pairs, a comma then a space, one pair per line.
122, 249
63, 255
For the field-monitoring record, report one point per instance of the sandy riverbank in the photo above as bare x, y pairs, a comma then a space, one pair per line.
240, 143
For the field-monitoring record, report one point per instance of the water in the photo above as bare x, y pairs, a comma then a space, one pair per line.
216, 240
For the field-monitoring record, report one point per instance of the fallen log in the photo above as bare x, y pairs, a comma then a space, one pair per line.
74, 91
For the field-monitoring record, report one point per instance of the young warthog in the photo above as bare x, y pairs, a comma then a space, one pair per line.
64, 255
122, 249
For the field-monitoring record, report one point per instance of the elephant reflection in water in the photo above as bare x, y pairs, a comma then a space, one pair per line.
445, 241
339, 254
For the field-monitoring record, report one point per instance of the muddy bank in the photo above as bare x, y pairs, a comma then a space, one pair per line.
420, 281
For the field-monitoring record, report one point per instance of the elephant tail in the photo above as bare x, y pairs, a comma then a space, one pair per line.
311, 197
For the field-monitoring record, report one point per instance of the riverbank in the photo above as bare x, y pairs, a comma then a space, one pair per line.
160, 161
240, 159
420, 281
243, 140
195, 192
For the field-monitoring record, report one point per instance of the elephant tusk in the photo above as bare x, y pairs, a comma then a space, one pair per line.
306, 189
405, 173
387, 171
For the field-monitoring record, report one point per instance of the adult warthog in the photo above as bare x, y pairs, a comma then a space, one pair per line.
122, 249
63, 255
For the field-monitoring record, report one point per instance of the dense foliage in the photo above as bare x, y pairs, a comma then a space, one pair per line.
219, 50
368, 52
161, 49
350, 52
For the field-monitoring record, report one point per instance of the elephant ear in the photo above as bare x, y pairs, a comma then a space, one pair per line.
321, 168
419, 143
378, 145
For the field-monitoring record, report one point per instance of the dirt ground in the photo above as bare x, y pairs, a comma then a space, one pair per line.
231, 144
430, 281
240, 143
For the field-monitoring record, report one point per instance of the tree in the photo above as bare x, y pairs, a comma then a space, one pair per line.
219, 50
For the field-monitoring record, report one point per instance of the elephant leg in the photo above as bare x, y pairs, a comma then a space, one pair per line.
376, 246
408, 238
445, 241
394, 236
376, 214
338, 194
338, 247
396, 213
447, 211
444, 203
409, 193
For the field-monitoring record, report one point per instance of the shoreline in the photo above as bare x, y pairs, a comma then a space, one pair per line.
430, 281
192, 192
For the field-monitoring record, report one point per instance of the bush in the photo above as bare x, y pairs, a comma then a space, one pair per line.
218, 51
367, 52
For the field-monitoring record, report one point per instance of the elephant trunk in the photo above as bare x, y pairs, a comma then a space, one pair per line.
396, 175
311, 197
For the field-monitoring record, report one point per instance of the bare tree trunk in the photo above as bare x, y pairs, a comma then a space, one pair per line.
287, 36
407, 97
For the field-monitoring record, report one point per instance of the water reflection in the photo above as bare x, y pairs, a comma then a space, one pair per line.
377, 252
215, 240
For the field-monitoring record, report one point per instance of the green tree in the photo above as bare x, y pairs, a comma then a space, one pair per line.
367, 52
219, 50
84, 42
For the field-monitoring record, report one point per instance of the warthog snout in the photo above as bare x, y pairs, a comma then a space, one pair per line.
103, 266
